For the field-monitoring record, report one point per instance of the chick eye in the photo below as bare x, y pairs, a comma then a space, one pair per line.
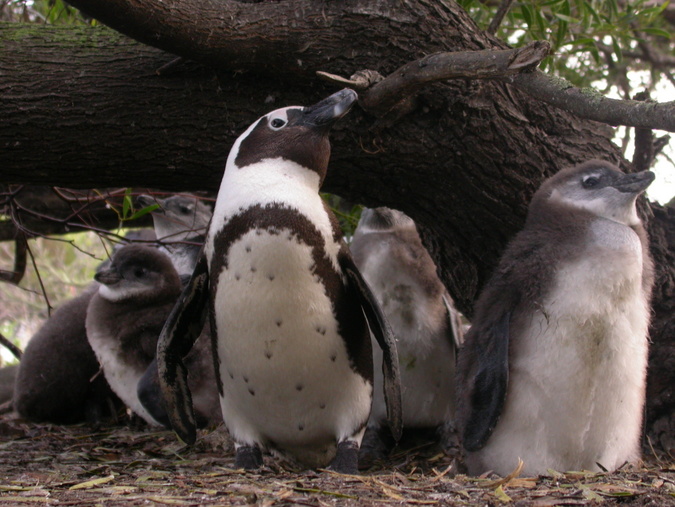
185, 210
277, 123
590, 182
139, 272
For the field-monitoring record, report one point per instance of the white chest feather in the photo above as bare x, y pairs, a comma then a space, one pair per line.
122, 378
578, 369
272, 182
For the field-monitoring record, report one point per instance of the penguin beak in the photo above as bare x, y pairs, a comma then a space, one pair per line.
634, 183
325, 113
108, 276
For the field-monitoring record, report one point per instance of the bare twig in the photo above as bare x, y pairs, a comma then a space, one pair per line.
499, 16
42, 285
15, 276
16, 351
463, 64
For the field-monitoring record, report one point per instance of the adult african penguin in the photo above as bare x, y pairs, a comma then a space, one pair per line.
388, 251
286, 303
553, 368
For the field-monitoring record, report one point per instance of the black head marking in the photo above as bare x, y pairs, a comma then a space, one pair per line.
296, 142
298, 134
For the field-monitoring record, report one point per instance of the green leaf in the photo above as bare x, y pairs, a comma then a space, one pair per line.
502, 496
528, 14
565, 18
617, 49
127, 203
590, 10
658, 32
142, 212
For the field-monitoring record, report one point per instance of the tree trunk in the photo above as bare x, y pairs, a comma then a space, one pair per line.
85, 108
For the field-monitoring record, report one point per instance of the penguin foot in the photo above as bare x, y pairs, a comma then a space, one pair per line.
346, 459
376, 445
248, 457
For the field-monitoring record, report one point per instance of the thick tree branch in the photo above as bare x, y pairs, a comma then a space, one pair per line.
466, 64
589, 104
301, 37
274, 38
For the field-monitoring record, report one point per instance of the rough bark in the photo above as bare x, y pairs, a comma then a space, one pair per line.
84, 108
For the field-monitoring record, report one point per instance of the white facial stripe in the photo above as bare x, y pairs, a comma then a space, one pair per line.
279, 114
234, 151
122, 291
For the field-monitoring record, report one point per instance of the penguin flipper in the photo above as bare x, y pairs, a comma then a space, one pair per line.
487, 388
385, 338
180, 331
150, 396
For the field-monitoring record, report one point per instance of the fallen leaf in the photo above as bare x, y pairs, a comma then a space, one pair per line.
92, 483
501, 496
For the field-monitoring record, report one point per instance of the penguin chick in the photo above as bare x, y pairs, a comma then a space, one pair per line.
57, 379
124, 318
286, 303
180, 224
553, 368
389, 253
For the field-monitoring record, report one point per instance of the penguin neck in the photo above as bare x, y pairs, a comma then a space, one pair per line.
268, 181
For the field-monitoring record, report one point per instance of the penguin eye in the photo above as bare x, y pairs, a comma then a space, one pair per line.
185, 210
277, 123
590, 182
139, 272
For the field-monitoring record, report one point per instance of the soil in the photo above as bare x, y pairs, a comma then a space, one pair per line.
134, 465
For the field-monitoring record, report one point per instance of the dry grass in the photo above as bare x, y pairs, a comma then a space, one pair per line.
122, 465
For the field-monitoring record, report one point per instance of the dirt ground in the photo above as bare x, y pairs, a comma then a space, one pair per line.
132, 465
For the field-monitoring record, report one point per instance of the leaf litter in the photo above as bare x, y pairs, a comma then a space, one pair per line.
45, 464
